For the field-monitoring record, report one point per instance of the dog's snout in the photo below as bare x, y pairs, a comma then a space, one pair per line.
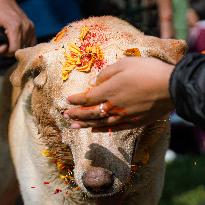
97, 179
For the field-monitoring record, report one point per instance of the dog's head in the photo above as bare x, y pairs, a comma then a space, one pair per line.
67, 66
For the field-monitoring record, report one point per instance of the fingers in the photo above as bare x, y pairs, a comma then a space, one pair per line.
29, 38
86, 113
93, 96
18, 28
104, 122
114, 123
107, 73
94, 112
15, 38
97, 94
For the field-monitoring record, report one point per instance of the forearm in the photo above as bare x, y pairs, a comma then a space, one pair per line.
165, 18
187, 88
165, 9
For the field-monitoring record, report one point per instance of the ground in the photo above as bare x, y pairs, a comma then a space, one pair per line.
185, 181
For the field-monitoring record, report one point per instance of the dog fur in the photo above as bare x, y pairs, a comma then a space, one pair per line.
37, 124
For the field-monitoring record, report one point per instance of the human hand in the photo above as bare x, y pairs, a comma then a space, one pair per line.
18, 28
134, 92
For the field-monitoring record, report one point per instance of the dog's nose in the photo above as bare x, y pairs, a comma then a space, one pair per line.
97, 179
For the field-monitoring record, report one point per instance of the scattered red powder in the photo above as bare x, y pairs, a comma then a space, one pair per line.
46, 182
99, 64
57, 191
33, 187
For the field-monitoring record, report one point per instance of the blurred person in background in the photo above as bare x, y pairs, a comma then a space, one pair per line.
26, 21
196, 20
196, 42
179, 18
154, 17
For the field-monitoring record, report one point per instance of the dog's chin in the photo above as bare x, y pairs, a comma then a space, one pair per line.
114, 197
103, 194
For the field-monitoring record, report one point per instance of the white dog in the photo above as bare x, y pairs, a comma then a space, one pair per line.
57, 165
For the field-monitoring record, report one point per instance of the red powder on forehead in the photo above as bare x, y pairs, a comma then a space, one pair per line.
92, 39
127, 36
86, 55
99, 27
96, 34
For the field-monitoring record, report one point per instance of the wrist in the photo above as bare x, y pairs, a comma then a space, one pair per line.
165, 94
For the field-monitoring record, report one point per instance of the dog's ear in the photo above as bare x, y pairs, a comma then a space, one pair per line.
169, 50
30, 65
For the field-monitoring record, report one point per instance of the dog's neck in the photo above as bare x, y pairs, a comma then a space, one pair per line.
37, 173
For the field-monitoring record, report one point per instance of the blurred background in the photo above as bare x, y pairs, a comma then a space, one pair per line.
180, 19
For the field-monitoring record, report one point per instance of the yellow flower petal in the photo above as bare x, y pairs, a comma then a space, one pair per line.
84, 68
83, 33
65, 75
46, 153
74, 49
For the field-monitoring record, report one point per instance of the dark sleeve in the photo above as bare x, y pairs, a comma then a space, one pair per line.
187, 88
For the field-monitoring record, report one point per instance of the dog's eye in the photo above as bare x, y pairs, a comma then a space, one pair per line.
35, 72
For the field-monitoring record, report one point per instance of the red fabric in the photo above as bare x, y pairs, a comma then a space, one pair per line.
200, 42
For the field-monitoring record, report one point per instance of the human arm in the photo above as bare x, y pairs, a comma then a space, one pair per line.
18, 28
165, 18
187, 88
153, 82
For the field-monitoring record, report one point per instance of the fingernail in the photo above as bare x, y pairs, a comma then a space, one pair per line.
66, 115
75, 125
92, 82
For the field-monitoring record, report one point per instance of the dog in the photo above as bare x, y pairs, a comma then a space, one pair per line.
58, 165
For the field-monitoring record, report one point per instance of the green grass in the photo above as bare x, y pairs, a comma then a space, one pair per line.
185, 182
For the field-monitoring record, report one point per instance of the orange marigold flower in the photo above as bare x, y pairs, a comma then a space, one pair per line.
132, 52
81, 58
60, 35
